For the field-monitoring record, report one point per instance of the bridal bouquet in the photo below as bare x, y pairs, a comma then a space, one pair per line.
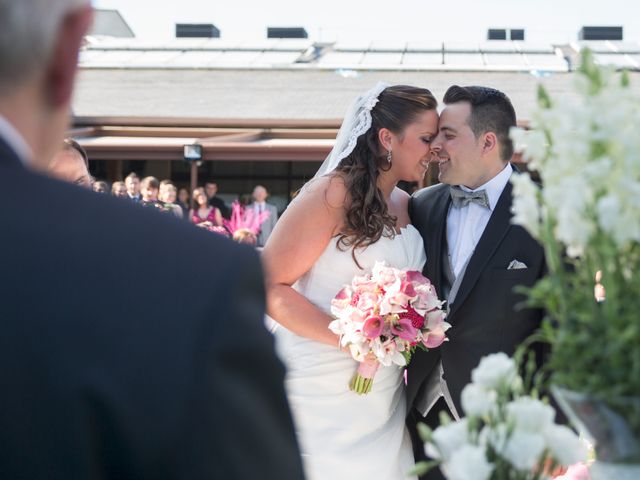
506, 434
383, 317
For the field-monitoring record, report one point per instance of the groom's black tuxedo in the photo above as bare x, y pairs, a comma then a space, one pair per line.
143, 385
486, 316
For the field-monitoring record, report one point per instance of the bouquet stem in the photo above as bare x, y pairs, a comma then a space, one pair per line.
362, 380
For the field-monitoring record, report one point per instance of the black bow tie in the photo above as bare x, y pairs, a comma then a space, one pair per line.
462, 198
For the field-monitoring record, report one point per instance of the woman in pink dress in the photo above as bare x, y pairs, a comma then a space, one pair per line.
202, 211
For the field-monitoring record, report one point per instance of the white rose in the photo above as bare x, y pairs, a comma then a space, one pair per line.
530, 415
477, 400
494, 370
448, 439
524, 449
565, 446
468, 463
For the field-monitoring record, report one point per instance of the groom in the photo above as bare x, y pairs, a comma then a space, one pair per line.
475, 256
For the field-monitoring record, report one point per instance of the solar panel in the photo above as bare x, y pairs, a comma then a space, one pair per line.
341, 58
379, 58
194, 59
516, 60
619, 60
276, 58
470, 60
498, 46
545, 61
424, 47
417, 59
234, 58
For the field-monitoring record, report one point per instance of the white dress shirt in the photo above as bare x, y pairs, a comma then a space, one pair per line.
260, 207
465, 226
15, 141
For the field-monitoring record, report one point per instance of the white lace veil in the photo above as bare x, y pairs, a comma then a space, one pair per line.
356, 122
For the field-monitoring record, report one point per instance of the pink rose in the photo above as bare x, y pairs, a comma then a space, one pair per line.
367, 301
372, 327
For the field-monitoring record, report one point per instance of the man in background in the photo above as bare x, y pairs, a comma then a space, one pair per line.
260, 205
211, 190
132, 182
108, 375
71, 164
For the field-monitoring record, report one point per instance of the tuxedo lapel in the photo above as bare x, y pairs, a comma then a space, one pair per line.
7, 156
437, 239
496, 229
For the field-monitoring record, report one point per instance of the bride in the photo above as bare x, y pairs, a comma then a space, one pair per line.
348, 217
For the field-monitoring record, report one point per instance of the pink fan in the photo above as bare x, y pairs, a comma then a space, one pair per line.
245, 218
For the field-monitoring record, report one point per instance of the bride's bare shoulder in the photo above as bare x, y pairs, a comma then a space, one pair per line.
330, 191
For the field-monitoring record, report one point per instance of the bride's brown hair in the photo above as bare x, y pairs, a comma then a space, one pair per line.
367, 217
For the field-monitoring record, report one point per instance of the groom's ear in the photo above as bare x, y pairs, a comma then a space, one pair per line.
489, 143
384, 137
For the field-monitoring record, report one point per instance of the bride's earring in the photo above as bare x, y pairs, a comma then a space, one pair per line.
389, 157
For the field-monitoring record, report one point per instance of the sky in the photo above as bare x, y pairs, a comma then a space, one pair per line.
546, 21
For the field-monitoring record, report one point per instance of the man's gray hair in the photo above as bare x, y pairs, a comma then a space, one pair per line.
28, 30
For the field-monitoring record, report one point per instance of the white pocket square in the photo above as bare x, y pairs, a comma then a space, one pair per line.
516, 265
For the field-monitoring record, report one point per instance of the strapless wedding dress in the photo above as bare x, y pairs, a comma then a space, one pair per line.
343, 435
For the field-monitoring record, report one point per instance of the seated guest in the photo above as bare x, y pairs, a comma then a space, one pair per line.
119, 189
202, 212
101, 186
71, 164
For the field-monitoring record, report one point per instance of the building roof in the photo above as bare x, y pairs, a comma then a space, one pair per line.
277, 94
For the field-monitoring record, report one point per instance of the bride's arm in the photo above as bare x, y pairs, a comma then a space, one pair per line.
299, 238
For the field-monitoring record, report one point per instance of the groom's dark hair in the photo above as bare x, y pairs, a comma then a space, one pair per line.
491, 111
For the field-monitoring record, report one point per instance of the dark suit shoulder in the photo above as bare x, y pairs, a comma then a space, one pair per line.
430, 192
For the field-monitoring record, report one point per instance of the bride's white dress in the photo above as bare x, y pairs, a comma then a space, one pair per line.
343, 435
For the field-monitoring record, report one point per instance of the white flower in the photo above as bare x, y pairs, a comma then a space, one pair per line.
525, 207
468, 463
387, 353
524, 449
359, 351
565, 446
477, 400
494, 370
447, 439
529, 414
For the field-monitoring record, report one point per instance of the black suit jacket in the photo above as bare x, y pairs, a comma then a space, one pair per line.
146, 384
487, 315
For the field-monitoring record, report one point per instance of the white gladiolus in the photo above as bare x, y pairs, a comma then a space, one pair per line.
494, 371
530, 415
525, 204
564, 445
477, 400
448, 439
468, 463
524, 449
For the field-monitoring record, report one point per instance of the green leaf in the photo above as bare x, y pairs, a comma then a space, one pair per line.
544, 100
423, 467
424, 431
